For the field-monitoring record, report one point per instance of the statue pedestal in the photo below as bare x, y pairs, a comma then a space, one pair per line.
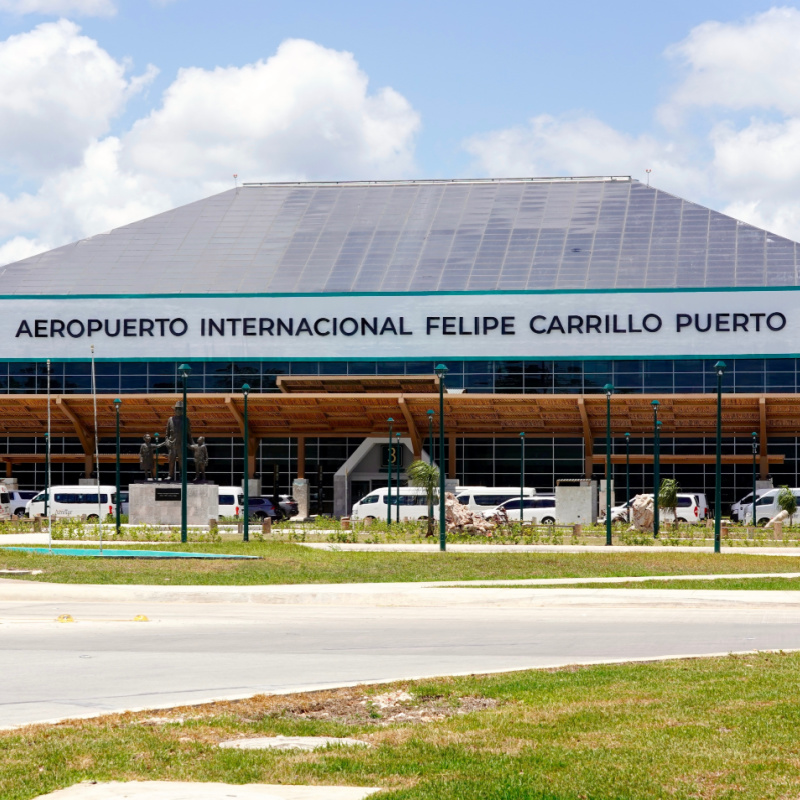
160, 503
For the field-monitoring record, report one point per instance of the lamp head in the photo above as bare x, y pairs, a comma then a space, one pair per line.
117, 403
627, 436
440, 370
522, 435
608, 389
719, 368
655, 404
245, 388
754, 435
430, 412
184, 370
390, 420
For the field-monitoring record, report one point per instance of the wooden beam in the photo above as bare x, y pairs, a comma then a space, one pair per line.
763, 461
252, 441
451, 457
83, 436
413, 433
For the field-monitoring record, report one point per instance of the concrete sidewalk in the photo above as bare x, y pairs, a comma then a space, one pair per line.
526, 593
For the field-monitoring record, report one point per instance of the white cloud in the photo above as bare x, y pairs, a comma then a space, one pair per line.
87, 8
305, 113
705, 151
59, 90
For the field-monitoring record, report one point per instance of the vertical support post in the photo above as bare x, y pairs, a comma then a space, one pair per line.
118, 496
184, 369
719, 368
397, 454
246, 470
656, 468
628, 476
301, 457
441, 371
521, 475
609, 390
755, 453
389, 460
451, 457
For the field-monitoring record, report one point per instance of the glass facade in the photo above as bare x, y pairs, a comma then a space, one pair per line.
478, 461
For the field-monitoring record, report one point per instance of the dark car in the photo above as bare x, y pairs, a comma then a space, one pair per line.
287, 505
261, 508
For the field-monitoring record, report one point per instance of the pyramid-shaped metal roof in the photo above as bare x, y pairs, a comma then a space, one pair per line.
417, 236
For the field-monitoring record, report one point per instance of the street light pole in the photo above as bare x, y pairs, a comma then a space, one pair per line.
628, 476
441, 372
430, 463
719, 368
389, 459
656, 467
118, 498
397, 451
521, 474
184, 369
755, 453
609, 390
246, 510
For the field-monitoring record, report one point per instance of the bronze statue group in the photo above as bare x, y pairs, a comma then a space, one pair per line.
149, 450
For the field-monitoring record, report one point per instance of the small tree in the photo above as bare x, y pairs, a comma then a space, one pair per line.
425, 476
787, 501
668, 496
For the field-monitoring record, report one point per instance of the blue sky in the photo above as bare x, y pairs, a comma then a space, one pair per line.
111, 110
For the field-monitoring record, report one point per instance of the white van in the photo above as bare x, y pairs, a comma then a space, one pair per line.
73, 502
692, 507
484, 498
738, 509
413, 502
767, 507
5, 503
231, 501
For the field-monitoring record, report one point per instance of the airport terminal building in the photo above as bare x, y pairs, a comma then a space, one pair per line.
334, 302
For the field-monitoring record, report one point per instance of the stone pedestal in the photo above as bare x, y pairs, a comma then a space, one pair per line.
576, 502
301, 491
160, 503
254, 488
12, 484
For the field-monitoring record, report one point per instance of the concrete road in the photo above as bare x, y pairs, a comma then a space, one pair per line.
190, 652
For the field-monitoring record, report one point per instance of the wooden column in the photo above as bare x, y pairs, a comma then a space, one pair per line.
252, 456
9, 469
588, 440
301, 457
451, 457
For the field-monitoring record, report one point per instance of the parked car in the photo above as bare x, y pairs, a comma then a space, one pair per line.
19, 499
737, 509
286, 503
262, 507
231, 500
692, 507
484, 498
541, 508
766, 507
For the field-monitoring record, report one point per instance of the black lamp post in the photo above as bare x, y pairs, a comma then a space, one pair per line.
656, 467
430, 462
389, 482
719, 369
47, 475
628, 475
521, 473
184, 370
441, 372
609, 390
755, 453
118, 498
246, 525
397, 452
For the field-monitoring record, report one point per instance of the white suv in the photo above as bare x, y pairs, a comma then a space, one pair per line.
18, 501
692, 507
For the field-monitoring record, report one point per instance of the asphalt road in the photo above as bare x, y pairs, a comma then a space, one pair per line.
191, 652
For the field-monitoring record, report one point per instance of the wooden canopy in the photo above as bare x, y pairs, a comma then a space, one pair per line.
323, 414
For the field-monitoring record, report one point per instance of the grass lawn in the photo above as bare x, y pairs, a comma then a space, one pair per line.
283, 563
706, 728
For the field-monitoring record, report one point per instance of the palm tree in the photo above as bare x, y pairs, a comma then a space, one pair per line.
426, 477
668, 496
